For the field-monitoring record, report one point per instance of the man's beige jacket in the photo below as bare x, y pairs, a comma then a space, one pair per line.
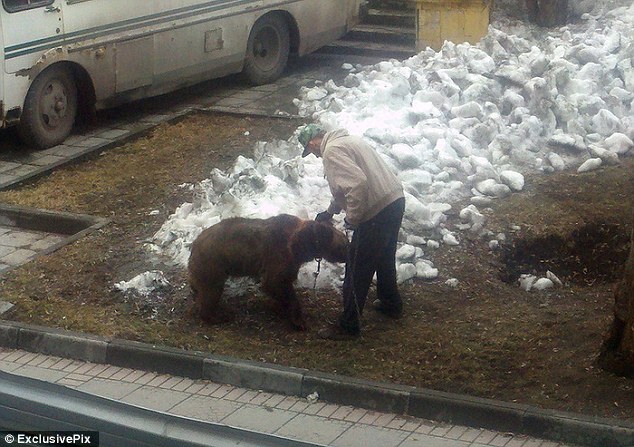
360, 181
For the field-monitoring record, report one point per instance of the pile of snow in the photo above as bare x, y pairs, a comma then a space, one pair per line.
466, 122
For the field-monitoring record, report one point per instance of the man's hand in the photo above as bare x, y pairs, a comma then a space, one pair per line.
324, 216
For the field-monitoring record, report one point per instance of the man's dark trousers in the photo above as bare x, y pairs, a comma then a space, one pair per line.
373, 250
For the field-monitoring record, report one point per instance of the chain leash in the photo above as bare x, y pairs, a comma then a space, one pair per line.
315, 275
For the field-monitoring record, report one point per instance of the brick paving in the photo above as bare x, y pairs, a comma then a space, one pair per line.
285, 416
18, 245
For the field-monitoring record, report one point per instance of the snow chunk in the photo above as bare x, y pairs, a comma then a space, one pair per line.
469, 110
433, 244
144, 283
567, 142
590, 165
543, 284
526, 282
550, 275
492, 188
619, 143
606, 122
556, 161
316, 94
406, 156
426, 271
406, 253
450, 239
405, 272
472, 216
607, 156
412, 239
513, 180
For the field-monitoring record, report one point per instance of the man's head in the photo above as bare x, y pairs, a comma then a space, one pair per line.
310, 138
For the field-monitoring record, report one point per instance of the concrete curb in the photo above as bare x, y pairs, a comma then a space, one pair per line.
428, 404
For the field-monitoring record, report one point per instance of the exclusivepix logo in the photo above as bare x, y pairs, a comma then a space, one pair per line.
49, 438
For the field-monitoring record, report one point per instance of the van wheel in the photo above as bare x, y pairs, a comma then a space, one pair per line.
267, 50
50, 108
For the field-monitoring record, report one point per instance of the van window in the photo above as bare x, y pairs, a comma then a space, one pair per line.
19, 5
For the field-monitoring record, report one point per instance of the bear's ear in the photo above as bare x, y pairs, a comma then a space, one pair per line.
323, 234
304, 241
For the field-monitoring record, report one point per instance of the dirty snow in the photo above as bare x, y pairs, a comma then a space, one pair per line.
144, 283
467, 122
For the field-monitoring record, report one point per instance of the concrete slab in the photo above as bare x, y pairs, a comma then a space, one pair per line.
264, 420
113, 389
18, 238
45, 374
5, 250
19, 257
46, 160
314, 429
155, 398
418, 440
205, 408
362, 436
5, 306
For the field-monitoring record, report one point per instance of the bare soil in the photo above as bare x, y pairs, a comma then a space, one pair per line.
486, 337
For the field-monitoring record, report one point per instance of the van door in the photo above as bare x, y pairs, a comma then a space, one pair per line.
29, 28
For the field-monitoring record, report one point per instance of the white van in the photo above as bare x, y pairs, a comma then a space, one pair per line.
58, 57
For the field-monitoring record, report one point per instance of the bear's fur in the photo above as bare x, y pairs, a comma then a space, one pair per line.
271, 250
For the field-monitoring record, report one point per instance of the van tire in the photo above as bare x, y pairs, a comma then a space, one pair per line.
268, 48
50, 108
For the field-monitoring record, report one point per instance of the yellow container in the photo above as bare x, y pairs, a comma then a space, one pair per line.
454, 20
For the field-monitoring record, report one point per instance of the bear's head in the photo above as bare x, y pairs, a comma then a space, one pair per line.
319, 240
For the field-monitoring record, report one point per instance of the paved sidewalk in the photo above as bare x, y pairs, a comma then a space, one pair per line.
286, 416
18, 246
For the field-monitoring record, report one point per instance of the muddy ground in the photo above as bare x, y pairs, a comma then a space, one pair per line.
485, 337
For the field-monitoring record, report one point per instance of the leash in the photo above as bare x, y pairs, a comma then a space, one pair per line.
353, 268
316, 272
315, 275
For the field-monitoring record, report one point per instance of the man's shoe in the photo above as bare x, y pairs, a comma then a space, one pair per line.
335, 332
390, 312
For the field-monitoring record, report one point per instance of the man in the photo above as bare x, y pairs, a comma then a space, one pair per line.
363, 185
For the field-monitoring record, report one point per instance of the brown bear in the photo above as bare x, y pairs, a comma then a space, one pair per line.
271, 250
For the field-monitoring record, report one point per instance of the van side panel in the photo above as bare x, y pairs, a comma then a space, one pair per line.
141, 49
321, 25
133, 49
